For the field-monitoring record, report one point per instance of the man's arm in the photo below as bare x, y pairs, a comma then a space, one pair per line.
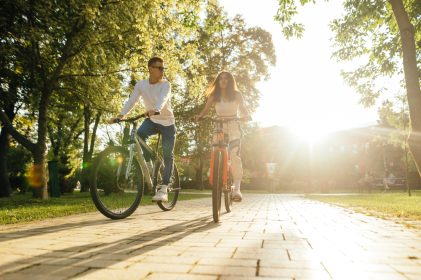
164, 95
134, 97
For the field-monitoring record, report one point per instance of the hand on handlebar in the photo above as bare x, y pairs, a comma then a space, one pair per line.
150, 113
115, 119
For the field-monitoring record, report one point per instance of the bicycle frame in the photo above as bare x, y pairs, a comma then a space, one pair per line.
220, 145
135, 148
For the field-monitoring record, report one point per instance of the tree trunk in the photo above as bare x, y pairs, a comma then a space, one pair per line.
5, 187
88, 149
93, 136
202, 185
85, 158
9, 109
57, 143
38, 175
38, 171
406, 30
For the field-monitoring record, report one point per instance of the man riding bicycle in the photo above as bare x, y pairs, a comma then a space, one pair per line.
156, 95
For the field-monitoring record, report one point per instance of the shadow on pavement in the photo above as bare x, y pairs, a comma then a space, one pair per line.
38, 230
85, 255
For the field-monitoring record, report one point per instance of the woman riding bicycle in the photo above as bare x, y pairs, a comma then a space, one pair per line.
224, 95
155, 93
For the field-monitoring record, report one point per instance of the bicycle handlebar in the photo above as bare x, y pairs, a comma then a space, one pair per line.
223, 119
144, 115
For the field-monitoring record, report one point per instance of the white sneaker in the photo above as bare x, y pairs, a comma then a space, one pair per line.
161, 194
236, 195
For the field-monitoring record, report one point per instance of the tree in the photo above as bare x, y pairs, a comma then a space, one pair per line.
228, 44
386, 35
85, 46
44, 38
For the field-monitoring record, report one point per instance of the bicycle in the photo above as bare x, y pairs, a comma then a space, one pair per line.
119, 173
220, 177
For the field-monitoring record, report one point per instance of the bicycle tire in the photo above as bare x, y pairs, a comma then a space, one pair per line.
228, 194
114, 194
173, 186
217, 186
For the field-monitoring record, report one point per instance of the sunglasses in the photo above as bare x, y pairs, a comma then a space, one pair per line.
161, 68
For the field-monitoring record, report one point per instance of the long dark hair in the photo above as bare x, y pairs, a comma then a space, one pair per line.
214, 89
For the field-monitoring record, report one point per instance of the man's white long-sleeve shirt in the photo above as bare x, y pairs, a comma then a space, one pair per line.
155, 97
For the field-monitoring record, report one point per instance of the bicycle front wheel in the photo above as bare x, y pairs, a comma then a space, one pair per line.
173, 186
116, 183
217, 185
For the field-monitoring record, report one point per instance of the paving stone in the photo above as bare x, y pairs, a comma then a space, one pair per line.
176, 276
224, 270
267, 236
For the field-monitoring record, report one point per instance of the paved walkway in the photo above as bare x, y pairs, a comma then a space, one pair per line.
266, 236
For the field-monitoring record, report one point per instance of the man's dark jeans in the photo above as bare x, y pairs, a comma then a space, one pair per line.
148, 128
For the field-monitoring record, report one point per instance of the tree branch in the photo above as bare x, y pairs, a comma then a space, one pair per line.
18, 136
93, 136
99, 75
73, 128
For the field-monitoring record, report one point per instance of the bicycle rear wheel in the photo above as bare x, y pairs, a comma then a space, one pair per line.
173, 186
217, 185
116, 183
228, 194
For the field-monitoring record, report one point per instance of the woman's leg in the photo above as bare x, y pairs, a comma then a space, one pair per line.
236, 167
235, 134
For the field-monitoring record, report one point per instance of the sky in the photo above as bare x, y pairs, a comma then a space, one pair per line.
305, 91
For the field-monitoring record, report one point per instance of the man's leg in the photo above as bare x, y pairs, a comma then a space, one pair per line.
168, 142
146, 129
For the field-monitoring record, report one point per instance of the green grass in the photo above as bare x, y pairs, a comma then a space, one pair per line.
384, 205
23, 208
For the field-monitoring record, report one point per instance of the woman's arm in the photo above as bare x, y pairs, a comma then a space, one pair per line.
209, 104
243, 109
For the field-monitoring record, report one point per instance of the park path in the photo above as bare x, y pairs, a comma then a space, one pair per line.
266, 236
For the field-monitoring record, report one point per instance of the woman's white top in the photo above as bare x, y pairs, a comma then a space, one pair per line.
155, 97
227, 108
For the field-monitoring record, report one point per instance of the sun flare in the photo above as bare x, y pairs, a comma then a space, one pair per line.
311, 133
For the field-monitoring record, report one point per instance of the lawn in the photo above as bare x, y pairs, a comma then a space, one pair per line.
23, 208
384, 205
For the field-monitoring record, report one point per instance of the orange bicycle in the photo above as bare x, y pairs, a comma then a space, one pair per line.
220, 177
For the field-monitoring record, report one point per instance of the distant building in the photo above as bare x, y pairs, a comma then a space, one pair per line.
338, 161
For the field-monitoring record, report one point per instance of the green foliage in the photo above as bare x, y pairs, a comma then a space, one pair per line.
369, 32
367, 35
288, 9
221, 43
63, 63
72, 55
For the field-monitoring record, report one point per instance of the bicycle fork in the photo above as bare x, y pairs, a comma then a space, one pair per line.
224, 154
